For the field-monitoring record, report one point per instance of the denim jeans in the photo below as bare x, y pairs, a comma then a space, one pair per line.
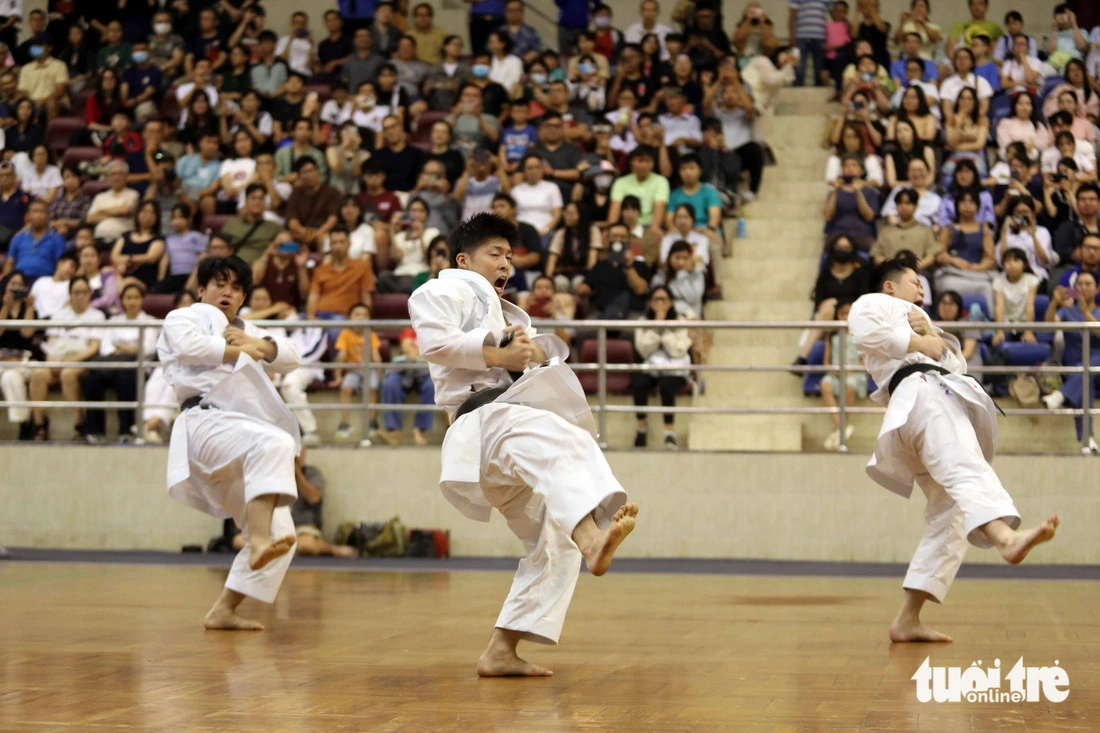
806, 48
393, 392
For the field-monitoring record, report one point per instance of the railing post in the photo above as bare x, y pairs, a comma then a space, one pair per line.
139, 412
367, 370
842, 387
1086, 389
601, 382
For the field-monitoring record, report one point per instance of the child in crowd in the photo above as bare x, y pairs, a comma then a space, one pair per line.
349, 350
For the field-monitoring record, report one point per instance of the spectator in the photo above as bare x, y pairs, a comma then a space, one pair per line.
235, 174
853, 205
1014, 26
664, 347
563, 158
137, 253
707, 43
629, 76
312, 209
35, 250
586, 47
1068, 42
198, 80
118, 344
966, 134
447, 75
874, 30
1080, 126
766, 76
198, 173
16, 345
965, 78
1058, 190
380, 202
430, 39
183, 248
1014, 297
928, 207
703, 197
282, 271
526, 252
505, 68
1023, 125
142, 83
915, 108
949, 308
855, 378
51, 293
197, 121
1090, 261
41, 180
79, 343
682, 273
410, 74
573, 250
45, 79
434, 190
848, 138
339, 108
683, 230
293, 104
1070, 235
114, 54
251, 119
296, 49
79, 59
361, 234
616, 286
732, 103
575, 118
650, 10
454, 162
384, 34
410, 236
1017, 177
439, 259
26, 134
912, 46
270, 73
1021, 72
967, 261
755, 32
112, 211
965, 178
400, 160
367, 114
339, 283
13, 204
843, 277
287, 156
345, 160
363, 64
652, 190
908, 235
1022, 232
249, 232
70, 206
916, 20
1064, 308
472, 128
909, 148
984, 65
807, 27
964, 30
538, 202
525, 41
349, 350
478, 185
1076, 81
165, 47
104, 281
395, 386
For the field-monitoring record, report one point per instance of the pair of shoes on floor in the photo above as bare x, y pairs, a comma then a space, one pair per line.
833, 441
1092, 448
641, 440
343, 431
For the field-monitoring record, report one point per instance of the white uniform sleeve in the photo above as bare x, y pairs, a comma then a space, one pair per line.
551, 345
186, 341
873, 332
436, 314
287, 358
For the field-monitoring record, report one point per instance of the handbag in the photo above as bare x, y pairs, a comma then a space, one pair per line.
1025, 389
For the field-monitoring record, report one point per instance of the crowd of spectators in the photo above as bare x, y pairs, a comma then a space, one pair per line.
973, 153
335, 158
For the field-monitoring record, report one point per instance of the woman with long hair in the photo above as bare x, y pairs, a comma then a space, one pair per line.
573, 249
26, 134
1076, 77
966, 133
666, 345
967, 261
848, 138
965, 178
137, 253
102, 105
201, 119
908, 147
1023, 125
914, 108
949, 308
16, 345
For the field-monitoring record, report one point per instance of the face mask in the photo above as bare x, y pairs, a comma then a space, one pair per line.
603, 22
604, 182
365, 101
481, 71
843, 256
867, 77
162, 29
37, 51
587, 68
538, 78
140, 57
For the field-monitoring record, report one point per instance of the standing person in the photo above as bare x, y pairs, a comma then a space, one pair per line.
580, 509
807, 27
233, 445
940, 429
485, 17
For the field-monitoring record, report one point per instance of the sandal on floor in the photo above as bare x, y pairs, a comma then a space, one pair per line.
41, 433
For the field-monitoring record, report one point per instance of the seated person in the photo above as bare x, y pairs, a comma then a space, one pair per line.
855, 378
1014, 297
398, 383
683, 229
1082, 153
928, 203
617, 285
907, 234
853, 205
844, 276
1065, 308
573, 250
1022, 231
35, 250
666, 347
313, 208
70, 206
349, 350
50, 294
703, 197
967, 261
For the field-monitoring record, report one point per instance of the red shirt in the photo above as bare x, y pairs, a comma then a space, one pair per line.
384, 205
119, 147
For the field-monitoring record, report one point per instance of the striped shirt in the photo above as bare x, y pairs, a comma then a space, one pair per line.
811, 19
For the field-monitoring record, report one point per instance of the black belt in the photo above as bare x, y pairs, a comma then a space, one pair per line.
479, 399
193, 402
909, 370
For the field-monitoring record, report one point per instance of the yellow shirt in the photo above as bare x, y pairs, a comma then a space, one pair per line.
351, 342
429, 45
39, 80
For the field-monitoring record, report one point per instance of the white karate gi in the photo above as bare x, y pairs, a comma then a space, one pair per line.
939, 430
219, 459
532, 454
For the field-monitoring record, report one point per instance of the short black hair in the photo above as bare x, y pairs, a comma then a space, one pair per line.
690, 158
253, 188
909, 195
889, 271
506, 198
1090, 187
303, 162
220, 268
1013, 15
78, 278
631, 202
478, 230
266, 35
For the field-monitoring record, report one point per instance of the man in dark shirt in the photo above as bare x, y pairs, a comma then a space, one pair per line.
363, 63
493, 95
562, 158
312, 209
142, 82
1068, 236
333, 51
13, 204
630, 74
617, 285
707, 43
400, 160
209, 44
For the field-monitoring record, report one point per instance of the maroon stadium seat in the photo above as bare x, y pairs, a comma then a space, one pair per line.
158, 304
619, 351
390, 307
423, 131
60, 130
324, 91
74, 156
91, 188
215, 222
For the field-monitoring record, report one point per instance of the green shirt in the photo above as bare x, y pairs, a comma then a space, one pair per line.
285, 158
248, 239
965, 30
113, 57
649, 192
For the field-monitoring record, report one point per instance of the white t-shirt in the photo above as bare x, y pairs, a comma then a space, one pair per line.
872, 166
111, 338
1084, 156
63, 342
40, 185
114, 227
362, 242
698, 240
334, 114
535, 204
1023, 240
301, 50
413, 261
239, 170
50, 296
1015, 294
507, 71
371, 119
284, 189
952, 85
1014, 70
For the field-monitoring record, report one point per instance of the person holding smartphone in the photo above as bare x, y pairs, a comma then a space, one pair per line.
16, 304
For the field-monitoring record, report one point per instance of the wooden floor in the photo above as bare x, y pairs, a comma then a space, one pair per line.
121, 648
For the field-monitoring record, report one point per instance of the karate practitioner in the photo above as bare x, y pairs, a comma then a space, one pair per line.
940, 430
233, 446
523, 444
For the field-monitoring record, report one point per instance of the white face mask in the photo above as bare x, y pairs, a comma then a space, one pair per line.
162, 29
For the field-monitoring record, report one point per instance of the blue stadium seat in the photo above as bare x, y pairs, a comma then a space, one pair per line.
811, 383
1049, 85
1042, 302
1017, 353
970, 299
999, 108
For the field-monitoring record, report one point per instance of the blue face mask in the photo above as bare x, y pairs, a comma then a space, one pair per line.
140, 57
587, 68
37, 51
538, 78
481, 71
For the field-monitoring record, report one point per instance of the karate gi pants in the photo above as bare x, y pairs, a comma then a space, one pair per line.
237, 458
544, 475
963, 491
293, 389
13, 383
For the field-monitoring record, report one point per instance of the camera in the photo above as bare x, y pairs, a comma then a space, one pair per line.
407, 218
1057, 178
1018, 223
19, 293
754, 21
855, 106
847, 179
616, 253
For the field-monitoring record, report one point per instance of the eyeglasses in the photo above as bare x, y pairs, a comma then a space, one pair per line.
387, 128
658, 299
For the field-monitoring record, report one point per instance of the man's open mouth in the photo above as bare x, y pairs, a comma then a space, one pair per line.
500, 282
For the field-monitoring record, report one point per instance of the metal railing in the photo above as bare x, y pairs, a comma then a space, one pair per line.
600, 331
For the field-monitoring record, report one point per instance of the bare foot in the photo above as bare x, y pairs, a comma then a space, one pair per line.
261, 553
1016, 550
226, 620
599, 555
344, 551
505, 663
903, 631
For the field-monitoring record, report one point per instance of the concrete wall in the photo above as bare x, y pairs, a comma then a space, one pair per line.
698, 505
